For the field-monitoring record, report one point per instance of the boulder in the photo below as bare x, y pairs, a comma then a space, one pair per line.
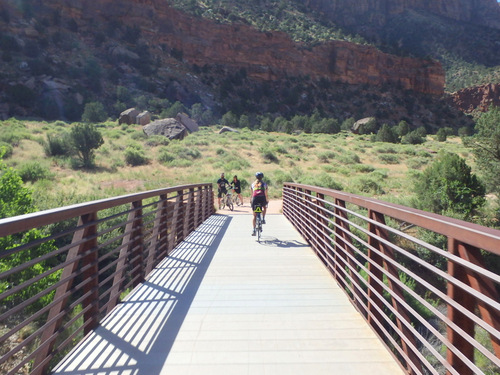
168, 127
128, 116
188, 122
359, 123
227, 129
144, 118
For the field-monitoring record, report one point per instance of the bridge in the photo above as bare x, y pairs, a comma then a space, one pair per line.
158, 283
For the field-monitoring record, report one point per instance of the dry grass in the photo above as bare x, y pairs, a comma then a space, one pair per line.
353, 163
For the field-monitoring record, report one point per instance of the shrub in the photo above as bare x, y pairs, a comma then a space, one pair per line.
389, 159
386, 134
33, 171
441, 135
188, 153
368, 185
135, 156
413, 138
85, 138
57, 145
6, 149
94, 112
449, 186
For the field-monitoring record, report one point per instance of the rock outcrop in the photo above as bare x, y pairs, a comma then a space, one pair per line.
348, 12
477, 98
264, 56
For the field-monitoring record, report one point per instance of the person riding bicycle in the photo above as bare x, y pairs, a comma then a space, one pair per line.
236, 186
259, 196
222, 185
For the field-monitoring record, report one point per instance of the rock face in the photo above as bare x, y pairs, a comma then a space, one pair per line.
347, 12
264, 56
477, 98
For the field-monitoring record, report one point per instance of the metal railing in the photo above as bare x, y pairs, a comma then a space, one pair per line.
63, 270
428, 285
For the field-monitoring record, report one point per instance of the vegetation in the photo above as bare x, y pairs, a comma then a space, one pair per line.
486, 147
124, 160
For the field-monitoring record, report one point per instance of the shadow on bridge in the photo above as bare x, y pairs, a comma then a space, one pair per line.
134, 338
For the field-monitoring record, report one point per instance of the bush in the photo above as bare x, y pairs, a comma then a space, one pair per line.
449, 186
33, 171
135, 156
441, 135
389, 159
94, 112
413, 138
57, 145
386, 134
6, 149
368, 185
85, 138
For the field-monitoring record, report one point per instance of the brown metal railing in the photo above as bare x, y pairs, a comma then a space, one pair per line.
65, 269
428, 285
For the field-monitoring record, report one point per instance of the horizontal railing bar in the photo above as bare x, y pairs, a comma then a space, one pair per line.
25, 222
473, 234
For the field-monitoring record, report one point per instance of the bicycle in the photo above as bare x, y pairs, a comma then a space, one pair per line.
235, 199
227, 201
258, 221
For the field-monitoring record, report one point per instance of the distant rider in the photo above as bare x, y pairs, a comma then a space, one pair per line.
237, 188
222, 185
259, 195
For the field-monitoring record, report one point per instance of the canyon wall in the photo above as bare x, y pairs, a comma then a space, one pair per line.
266, 56
378, 12
477, 98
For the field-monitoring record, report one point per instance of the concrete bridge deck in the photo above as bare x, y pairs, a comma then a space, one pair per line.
224, 304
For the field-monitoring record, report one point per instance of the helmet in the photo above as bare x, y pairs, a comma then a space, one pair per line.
259, 175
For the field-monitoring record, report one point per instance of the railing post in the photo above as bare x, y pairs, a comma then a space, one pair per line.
179, 217
375, 289
132, 238
198, 200
188, 214
321, 233
159, 234
343, 243
468, 301
87, 242
137, 245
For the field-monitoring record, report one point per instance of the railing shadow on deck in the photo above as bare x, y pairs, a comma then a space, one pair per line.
63, 270
138, 335
436, 305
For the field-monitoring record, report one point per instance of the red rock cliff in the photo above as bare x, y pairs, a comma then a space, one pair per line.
267, 56
477, 98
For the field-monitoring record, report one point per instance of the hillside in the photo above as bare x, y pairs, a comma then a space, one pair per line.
271, 58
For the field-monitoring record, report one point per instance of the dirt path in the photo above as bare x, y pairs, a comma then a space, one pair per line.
274, 207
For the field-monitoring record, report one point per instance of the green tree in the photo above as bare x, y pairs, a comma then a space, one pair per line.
449, 187
403, 128
486, 147
386, 134
94, 112
15, 199
441, 135
85, 138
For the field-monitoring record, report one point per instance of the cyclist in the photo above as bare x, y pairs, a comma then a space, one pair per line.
259, 195
222, 185
237, 188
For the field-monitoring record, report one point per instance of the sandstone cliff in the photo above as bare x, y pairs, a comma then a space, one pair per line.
347, 12
477, 98
266, 56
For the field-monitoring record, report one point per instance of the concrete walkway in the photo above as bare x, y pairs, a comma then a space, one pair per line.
224, 304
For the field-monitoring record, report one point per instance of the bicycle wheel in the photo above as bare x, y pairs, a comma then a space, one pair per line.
223, 203
230, 204
259, 227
